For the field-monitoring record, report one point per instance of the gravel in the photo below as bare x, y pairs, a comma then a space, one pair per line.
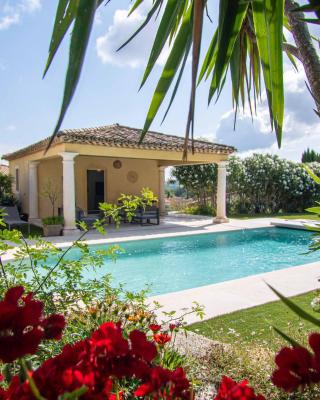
199, 348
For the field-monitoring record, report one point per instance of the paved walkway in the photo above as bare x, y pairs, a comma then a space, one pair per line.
226, 297
172, 225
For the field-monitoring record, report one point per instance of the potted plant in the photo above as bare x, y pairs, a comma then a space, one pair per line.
52, 226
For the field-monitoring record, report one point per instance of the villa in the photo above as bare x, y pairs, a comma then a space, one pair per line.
93, 165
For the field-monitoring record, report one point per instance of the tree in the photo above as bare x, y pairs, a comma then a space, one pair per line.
199, 181
306, 51
6, 195
51, 192
310, 156
249, 41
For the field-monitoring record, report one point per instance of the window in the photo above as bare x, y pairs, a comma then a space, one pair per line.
17, 180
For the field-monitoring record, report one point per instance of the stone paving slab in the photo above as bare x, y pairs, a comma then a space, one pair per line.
226, 297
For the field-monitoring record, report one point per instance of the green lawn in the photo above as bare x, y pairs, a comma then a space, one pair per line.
254, 325
252, 345
282, 216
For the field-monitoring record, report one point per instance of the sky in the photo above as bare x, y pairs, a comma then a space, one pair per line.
108, 89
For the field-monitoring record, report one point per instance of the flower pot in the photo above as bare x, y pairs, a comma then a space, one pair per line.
52, 230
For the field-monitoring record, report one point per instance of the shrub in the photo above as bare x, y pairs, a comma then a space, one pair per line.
6, 196
53, 220
200, 210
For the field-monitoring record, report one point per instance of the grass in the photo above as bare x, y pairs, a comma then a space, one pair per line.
254, 325
251, 345
281, 216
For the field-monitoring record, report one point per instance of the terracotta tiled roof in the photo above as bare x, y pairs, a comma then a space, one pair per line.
122, 136
4, 169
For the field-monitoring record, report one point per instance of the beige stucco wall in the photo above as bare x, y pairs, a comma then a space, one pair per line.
22, 194
49, 171
144, 162
116, 180
49, 174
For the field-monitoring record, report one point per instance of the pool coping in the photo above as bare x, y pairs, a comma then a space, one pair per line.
233, 225
239, 294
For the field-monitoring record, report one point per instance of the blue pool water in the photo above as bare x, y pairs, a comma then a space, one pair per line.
184, 262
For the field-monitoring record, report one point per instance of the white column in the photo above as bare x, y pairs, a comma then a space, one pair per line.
221, 194
69, 196
162, 194
33, 191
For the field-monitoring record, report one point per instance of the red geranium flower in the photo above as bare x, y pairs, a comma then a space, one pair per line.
154, 327
23, 326
231, 390
161, 338
172, 327
141, 347
297, 366
95, 362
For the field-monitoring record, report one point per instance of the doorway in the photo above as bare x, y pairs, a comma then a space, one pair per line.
95, 190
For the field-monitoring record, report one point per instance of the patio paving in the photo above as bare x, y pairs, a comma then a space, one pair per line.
226, 297
171, 225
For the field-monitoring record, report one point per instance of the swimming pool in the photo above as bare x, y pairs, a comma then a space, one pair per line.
184, 262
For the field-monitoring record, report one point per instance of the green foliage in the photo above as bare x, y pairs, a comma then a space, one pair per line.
259, 184
268, 184
200, 181
248, 39
51, 192
73, 281
200, 210
310, 156
126, 206
53, 220
250, 344
6, 195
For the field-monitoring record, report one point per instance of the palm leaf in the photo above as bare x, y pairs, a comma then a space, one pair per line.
184, 61
287, 338
312, 174
79, 41
196, 38
296, 309
154, 8
268, 22
169, 71
232, 14
166, 26
212, 50
135, 6
66, 12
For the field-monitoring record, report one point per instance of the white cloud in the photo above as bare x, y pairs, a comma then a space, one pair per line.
301, 125
136, 53
11, 128
11, 14
7, 20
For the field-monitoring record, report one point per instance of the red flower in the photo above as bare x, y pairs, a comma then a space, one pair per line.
165, 384
161, 338
108, 339
172, 327
53, 326
141, 347
23, 326
96, 361
154, 327
231, 390
296, 367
